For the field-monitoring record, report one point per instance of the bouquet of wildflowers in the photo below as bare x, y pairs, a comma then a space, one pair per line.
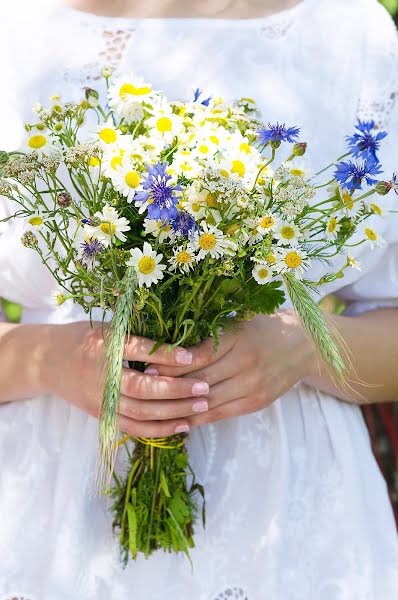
181, 219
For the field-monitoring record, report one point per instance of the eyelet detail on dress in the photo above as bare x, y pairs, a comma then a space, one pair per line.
234, 593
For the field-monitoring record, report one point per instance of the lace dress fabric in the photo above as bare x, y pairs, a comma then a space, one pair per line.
296, 506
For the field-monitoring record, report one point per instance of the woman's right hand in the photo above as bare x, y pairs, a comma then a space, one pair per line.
73, 369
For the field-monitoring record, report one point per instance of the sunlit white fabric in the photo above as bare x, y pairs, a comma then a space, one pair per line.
297, 508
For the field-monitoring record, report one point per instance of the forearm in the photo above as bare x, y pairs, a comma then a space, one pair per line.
372, 343
23, 350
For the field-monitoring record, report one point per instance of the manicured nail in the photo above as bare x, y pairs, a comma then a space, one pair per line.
200, 406
200, 388
181, 429
151, 371
183, 357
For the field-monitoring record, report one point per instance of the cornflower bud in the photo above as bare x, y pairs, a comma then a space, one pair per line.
92, 97
300, 148
384, 187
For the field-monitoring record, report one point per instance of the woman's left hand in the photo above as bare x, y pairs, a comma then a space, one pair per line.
252, 367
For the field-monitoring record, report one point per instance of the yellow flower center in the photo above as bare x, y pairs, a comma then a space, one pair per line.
146, 265
186, 167
116, 162
371, 234
347, 200
128, 89
293, 260
108, 228
207, 241
244, 147
267, 222
262, 273
108, 135
94, 161
297, 172
224, 173
58, 127
376, 209
183, 257
332, 225
271, 259
232, 229
238, 167
132, 179
196, 207
36, 221
203, 149
211, 201
164, 124
287, 232
214, 139
37, 141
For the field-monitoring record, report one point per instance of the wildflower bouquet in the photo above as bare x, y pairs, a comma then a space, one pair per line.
181, 220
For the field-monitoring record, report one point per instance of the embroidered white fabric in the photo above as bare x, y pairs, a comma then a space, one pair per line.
296, 506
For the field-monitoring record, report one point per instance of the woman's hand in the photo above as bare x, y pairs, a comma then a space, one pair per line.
73, 369
253, 366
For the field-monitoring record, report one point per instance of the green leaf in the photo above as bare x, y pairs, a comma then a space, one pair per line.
132, 519
264, 299
163, 485
179, 508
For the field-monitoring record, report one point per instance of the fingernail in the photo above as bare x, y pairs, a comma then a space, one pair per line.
181, 429
151, 371
183, 357
200, 388
200, 406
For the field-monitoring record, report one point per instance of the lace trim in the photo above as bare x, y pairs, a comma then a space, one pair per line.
277, 30
234, 593
380, 110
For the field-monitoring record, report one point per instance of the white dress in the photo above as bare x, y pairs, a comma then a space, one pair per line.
296, 506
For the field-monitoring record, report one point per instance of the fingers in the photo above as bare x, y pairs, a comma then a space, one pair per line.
228, 410
203, 355
160, 410
140, 348
152, 428
147, 387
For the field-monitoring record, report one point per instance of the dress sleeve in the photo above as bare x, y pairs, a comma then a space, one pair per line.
378, 287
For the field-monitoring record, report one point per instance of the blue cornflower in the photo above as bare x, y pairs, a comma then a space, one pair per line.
196, 95
277, 133
89, 249
365, 144
158, 195
351, 175
184, 224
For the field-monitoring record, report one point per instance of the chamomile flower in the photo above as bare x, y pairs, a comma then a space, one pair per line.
292, 260
57, 298
267, 223
194, 201
111, 226
351, 207
162, 231
183, 259
164, 123
333, 227
353, 263
184, 163
211, 241
127, 180
36, 221
127, 96
147, 265
252, 234
107, 133
40, 141
287, 233
262, 273
372, 237
377, 209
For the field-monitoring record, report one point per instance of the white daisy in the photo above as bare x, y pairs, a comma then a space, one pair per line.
110, 226
159, 229
252, 234
164, 123
354, 264
57, 298
40, 141
333, 227
183, 258
194, 201
262, 273
127, 181
107, 133
287, 233
372, 238
210, 240
147, 265
293, 260
35, 221
267, 223
127, 95
351, 207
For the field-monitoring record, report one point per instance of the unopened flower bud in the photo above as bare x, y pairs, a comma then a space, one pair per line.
383, 187
92, 97
300, 149
29, 240
106, 72
275, 144
64, 199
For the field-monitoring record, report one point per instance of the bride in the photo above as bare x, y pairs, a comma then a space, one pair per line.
297, 508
